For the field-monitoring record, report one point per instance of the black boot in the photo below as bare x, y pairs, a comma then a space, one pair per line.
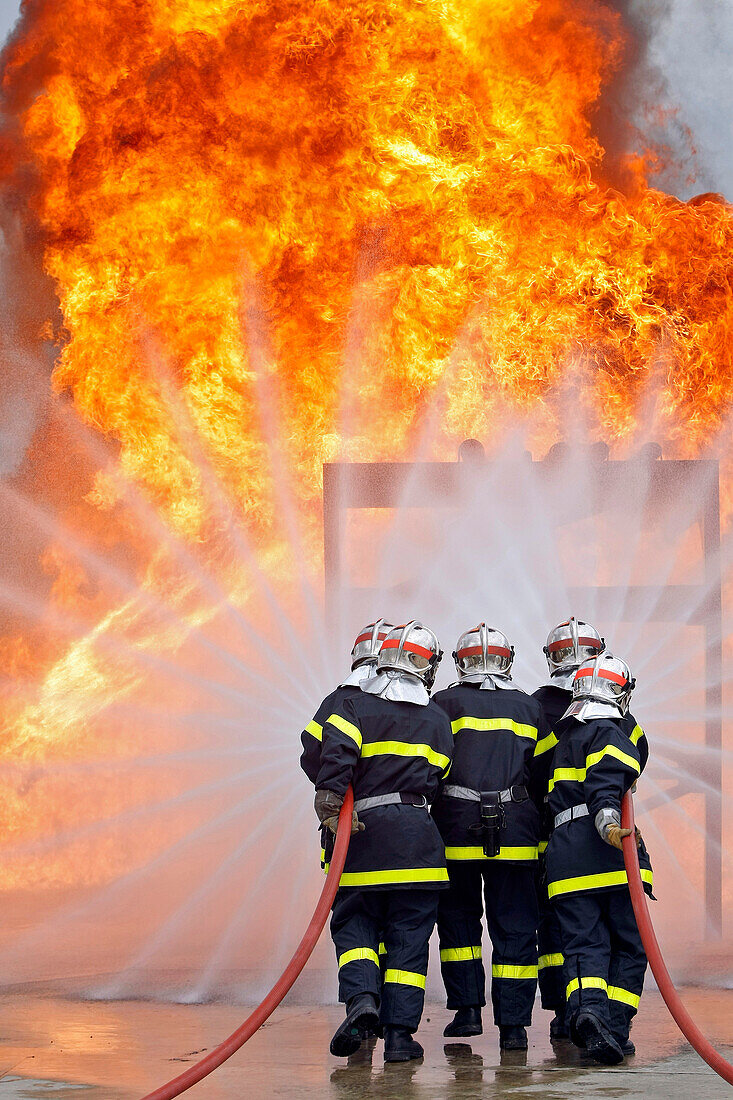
591, 1033
558, 1027
512, 1037
362, 1018
628, 1048
399, 1045
467, 1021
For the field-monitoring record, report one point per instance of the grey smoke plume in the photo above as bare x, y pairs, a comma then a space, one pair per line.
693, 46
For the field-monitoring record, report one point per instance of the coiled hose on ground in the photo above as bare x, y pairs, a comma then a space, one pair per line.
303, 952
681, 1016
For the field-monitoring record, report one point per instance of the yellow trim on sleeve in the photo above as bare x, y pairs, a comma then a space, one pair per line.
315, 730
486, 724
636, 735
358, 953
403, 748
465, 852
459, 954
348, 728
545, 744
578, 775
405, 977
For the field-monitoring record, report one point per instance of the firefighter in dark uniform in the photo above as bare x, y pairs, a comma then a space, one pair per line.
394, 745
568, 645
488, 817
363, 665
595, 763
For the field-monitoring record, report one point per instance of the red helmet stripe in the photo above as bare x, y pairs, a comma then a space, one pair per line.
604, 673
476, 650
566, 643
410, 647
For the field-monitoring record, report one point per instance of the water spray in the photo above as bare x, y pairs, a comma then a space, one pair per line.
671, 997
287, 979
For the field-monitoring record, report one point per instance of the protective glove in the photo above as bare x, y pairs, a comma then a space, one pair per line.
328, 806
608, 824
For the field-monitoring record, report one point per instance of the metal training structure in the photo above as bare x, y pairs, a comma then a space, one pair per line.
385, 485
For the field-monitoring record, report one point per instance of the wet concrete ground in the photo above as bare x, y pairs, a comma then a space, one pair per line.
77, 1050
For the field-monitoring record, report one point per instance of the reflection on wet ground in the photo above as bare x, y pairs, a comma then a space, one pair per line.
77, 1050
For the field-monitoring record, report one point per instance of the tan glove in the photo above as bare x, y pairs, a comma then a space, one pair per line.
328, 806
615, 834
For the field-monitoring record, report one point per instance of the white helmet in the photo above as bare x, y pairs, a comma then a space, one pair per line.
483, 649
368, 641
411, 648
606, 679
570, 644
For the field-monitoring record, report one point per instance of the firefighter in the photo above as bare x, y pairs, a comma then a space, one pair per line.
595, 763
490, 826
363, 665
568, 645
394, 745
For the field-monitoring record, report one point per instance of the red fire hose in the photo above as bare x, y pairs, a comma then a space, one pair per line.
659, 969
238, 1038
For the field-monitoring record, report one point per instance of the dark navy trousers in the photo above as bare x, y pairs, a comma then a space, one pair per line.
549, 944
381, 939
604, 958
510, 897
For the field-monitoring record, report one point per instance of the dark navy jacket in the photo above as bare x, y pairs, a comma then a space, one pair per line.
554, 702
384, 747
495, 736
595, 762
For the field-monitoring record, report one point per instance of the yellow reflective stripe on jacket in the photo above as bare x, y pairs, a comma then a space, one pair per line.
550, 960
402, 748
459, 954
543, 846
545, 744
577, 775
390, 878
464, 852
586, 983
405, 977
315, 730
515, 973
485, 724
382, 949
594, 882
616, 993
357, 953
636, 735
348, 728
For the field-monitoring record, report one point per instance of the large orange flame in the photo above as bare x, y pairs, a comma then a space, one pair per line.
284, 231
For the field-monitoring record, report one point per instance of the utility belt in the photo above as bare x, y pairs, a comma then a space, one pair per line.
571, 814
491, 803
403, 798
